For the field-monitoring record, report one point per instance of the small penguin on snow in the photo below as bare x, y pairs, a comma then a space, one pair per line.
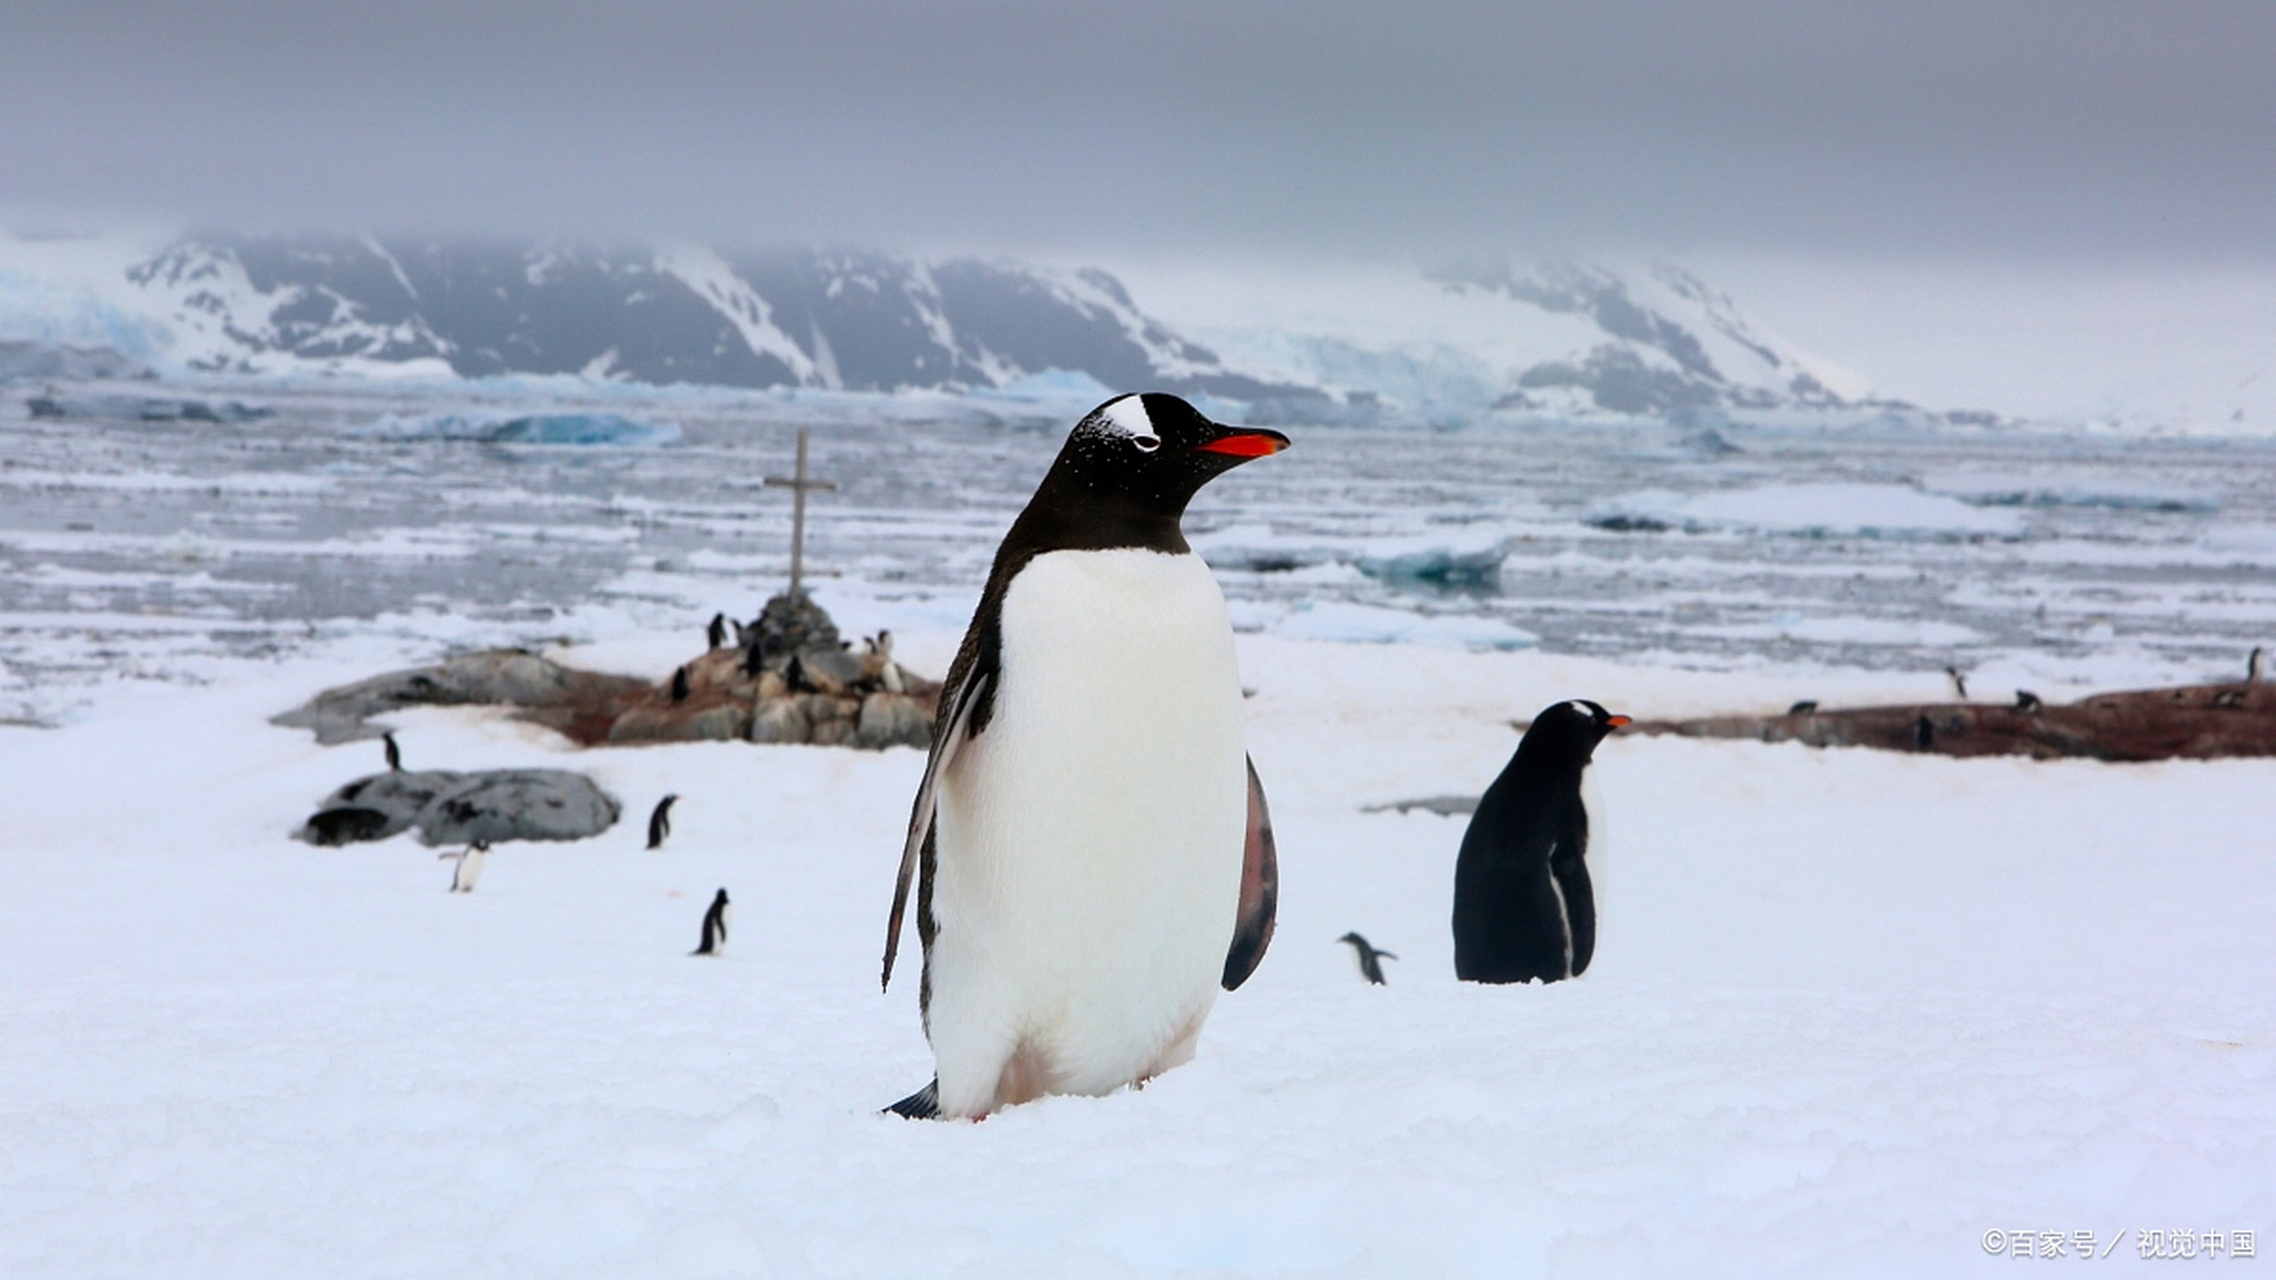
394, 753
469, 869
1370, 958
714, 927
1091, 848
660, 821
1525, 891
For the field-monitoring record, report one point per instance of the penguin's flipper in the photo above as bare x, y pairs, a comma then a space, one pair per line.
1260, 891
971, 693
924, 1104
1569, 867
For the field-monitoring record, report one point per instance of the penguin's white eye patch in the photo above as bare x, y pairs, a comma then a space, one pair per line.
1146, 444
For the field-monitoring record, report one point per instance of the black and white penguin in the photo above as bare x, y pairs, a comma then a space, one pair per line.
1806, 707
1370, 959
1090, 845
2027, 701
1959, 683
1924, 733
394, 753
755, 654
715, 635
469, 869
1525, 891
660, 821
714, 927
2255, 665
680, 685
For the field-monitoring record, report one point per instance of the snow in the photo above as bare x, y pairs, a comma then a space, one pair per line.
1851, 1011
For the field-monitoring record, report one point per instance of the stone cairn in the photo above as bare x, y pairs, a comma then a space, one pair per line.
787, 677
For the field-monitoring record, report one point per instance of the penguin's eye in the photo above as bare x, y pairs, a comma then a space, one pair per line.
1146, 444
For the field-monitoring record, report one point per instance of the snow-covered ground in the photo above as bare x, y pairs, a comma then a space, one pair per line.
1852, 1012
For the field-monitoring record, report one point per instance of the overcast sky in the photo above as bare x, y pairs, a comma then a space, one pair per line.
2063, 130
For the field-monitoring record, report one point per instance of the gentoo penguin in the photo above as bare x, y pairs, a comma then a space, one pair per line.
1524, 896
715, 635
660, 821
1091, 845
755, 654
680, 685
1924, 733
1959, 683
714, 927
2254, 666
2026, 701
394, 753
1370, 959
469, 867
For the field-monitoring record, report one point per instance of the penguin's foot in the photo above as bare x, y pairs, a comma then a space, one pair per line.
924, 1104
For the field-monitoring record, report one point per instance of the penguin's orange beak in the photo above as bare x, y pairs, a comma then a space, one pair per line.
1617, 721
1248, 442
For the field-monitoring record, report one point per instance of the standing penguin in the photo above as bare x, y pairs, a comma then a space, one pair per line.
469, 869
1091, 847
715, 635
1524, 899
714, 927
680, 689
394, 753
660, 821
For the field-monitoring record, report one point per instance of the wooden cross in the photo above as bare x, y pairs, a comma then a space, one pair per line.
798, 483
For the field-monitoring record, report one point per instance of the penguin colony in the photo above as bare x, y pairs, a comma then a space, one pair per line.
1089, 842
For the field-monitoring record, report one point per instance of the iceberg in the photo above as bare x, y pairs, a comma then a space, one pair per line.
528, 428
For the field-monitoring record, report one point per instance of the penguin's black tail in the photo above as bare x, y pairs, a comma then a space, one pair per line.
924, 1104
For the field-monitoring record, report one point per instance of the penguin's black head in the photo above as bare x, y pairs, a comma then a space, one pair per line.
1570, 730
1156, 449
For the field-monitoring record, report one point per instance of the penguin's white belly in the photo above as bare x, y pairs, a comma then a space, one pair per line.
1089, 839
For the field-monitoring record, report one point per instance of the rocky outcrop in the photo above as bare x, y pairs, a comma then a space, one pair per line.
2194, 722
562, 697
448, 807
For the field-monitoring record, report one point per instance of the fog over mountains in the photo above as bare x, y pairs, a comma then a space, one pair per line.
1563, 339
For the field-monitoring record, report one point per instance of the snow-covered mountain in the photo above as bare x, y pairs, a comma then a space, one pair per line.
1556, 340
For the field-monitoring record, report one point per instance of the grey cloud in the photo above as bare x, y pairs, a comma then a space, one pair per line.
2082, 128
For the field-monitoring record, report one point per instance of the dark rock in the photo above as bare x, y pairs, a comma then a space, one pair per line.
330, 828
795, 624
519, 804
396, 798
716, 720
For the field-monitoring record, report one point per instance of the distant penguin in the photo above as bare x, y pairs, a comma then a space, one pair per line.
1525, 891
715, 635
2026, 701
394, 753
2255, 666
1923, 733
755, 655
660, 821
1088, 837
1959, 684
2229, 698
680, 685
888, 672
714, 927
794, 677
1370, 959
469, 869
1806, 707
